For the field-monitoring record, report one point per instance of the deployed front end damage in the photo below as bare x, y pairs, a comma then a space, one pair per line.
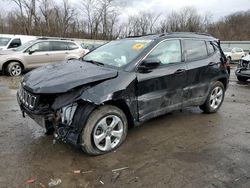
55, 113
243, 70
61, 112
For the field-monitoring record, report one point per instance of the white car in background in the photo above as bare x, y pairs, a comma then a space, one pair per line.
13, 41
233, 54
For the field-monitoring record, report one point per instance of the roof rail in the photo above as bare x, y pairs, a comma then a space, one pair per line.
202, 33
53, 38
197, 33
135, 36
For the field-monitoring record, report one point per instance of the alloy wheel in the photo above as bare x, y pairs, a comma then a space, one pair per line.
16, 70
108, 132
216, 97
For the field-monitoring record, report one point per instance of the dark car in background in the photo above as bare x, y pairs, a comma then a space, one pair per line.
91, 103
243, 69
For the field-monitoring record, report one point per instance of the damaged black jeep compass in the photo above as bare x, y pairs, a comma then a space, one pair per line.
91, 102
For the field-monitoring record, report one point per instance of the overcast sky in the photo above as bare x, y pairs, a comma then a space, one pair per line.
217, 8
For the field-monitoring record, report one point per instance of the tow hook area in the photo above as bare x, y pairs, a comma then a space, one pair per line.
67, 135
64, 130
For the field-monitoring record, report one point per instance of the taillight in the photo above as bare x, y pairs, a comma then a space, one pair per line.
82, 51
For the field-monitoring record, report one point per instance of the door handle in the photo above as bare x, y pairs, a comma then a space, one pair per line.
47, 54
212, 63
180, 71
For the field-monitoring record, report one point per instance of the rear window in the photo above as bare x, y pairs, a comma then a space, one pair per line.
238, 50
195, 49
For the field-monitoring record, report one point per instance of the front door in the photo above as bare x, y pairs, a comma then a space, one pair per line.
38, 54
162, 89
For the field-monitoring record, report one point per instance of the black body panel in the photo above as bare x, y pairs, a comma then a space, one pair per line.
59, 78
143, 95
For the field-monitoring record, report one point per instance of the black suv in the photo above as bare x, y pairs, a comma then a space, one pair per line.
90, 103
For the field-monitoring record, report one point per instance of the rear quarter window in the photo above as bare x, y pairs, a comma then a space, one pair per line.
195, 49
72, 46
210, 48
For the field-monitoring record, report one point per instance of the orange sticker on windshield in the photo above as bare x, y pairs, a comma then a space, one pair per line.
137, 46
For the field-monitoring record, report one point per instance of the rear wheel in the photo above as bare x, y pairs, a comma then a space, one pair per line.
242, 79
14, 69
104, 131
229, 59
214, 99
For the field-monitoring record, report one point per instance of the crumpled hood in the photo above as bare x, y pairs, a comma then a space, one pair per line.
61, 77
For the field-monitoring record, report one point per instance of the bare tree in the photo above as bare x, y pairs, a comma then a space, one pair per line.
93, 16
187, 19
100, 19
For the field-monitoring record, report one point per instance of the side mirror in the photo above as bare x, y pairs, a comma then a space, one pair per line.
149, 64
31, 52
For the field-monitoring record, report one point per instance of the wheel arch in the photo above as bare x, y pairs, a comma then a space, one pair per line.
224, 81
121, 104
5, 65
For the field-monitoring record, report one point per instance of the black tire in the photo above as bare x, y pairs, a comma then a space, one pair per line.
242, 79
229, 59
14, 69
207, 107
93, 124
49, 129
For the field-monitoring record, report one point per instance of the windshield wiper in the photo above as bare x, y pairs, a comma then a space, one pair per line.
94, 62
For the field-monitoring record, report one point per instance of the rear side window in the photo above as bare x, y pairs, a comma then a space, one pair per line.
210, 48
195, 49
59, 46
15, 43
72, 46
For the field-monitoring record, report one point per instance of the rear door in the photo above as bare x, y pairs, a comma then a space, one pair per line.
64, 50
60, 51
162, 89
200, 59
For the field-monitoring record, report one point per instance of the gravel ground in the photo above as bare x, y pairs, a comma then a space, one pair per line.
181, 149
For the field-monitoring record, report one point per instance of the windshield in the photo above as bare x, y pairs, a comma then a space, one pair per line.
24, 46
4, 41
117, 53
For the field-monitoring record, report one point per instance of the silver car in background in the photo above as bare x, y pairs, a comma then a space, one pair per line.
37, 53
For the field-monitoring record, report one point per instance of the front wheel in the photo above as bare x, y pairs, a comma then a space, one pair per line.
104, 131
14, 69
241, 78
214, 99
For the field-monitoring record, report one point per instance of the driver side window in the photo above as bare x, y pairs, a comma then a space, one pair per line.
167, 52
40, 47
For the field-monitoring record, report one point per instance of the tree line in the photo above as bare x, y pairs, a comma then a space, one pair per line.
105, 19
